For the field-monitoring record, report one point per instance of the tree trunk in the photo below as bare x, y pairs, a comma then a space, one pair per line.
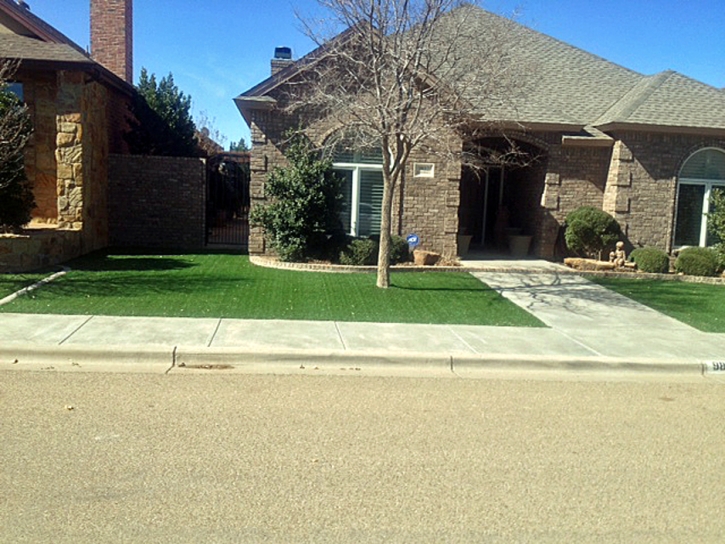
385, 219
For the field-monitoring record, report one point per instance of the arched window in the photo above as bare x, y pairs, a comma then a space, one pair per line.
702, 173
361, 170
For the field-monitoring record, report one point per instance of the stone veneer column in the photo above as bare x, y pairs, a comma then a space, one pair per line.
617, 200
69, 150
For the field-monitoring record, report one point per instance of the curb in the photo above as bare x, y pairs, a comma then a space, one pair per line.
165, 359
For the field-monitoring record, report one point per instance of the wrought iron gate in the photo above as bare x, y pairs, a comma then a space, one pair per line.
227, 200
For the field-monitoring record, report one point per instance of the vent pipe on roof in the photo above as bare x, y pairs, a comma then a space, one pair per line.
24, 5
282, 59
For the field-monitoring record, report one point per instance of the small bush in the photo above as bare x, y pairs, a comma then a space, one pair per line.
697, 261
364, 251
360, 252
719, 250
651, 259
399, 250
590, 231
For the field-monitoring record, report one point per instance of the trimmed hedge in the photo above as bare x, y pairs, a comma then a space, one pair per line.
697, 261
364, 251
651, 259
590, 231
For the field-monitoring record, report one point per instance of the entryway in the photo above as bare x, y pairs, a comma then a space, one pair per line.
500, 201
227, 201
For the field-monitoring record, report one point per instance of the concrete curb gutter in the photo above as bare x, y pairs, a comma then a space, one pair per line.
54, 357
165, 359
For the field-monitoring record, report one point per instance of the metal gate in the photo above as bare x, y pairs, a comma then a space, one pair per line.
227, 200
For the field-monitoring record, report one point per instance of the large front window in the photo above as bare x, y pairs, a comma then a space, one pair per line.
362, 176
701, 175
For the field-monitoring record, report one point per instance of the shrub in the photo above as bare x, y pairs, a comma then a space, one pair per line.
697, 261
16, 194
590, 231
719, 250
651, 259
364, 251
304, 202
399, 250
360, 252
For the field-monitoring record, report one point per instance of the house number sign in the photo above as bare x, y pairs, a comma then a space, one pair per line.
715, 367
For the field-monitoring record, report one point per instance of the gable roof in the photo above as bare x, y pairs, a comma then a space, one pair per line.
668, 99
26, 37
566, 87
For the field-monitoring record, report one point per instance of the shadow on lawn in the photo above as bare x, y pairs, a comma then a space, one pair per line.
108, 262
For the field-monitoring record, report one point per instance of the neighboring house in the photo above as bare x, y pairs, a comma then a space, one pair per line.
78, 108
646, 149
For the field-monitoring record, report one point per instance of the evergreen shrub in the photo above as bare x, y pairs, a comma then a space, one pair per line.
651, 259
697, 261
590, 231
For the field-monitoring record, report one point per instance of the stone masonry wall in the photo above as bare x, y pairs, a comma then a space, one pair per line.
157, 201
39, 92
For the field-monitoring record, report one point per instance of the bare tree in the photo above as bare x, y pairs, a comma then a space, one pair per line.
404, 76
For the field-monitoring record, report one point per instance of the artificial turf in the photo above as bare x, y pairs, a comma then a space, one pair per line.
699, 305
226, 285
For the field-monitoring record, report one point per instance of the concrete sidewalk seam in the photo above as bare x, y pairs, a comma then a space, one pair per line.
213, 335
339, 335
79, 327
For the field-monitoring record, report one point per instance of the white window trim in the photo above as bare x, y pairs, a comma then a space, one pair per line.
356, 168
709, 185
423, 170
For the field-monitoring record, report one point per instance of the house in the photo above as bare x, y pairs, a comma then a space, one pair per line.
646, 149
78, 106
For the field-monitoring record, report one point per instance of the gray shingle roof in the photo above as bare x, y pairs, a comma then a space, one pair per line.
669, 99
560, 84
13, 46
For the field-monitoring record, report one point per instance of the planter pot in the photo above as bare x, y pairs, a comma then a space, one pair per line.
519, 245
464, 242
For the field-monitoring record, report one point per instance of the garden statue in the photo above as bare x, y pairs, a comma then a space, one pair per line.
618, 256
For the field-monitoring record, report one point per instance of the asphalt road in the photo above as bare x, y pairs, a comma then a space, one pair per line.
251, 458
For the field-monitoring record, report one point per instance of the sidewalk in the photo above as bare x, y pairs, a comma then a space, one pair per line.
590, 329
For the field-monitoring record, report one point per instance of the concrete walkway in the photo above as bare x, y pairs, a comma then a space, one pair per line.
589, 329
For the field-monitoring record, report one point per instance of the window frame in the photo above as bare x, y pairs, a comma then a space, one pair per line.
709, 185
356, 169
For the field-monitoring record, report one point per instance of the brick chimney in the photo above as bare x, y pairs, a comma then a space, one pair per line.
282, 59
112, 36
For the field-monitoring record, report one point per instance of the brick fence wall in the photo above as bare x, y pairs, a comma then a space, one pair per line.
157, 201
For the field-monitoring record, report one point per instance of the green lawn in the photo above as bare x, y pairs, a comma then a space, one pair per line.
699, 305
223, 285
9, 283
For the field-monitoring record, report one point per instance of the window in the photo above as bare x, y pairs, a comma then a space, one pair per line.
702, 173
361, 171
423, 170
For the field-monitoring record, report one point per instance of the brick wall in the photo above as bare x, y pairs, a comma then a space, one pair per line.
112, 36
157, 201
642, 184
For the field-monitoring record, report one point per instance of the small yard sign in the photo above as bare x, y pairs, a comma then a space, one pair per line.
412, 240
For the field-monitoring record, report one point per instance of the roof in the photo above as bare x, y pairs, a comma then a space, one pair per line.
14, 46
668, 99
564, 86
34, 42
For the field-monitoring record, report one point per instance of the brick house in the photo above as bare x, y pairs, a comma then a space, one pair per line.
78, 106
646, 149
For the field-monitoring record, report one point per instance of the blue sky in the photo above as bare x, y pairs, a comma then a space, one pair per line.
217, 49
